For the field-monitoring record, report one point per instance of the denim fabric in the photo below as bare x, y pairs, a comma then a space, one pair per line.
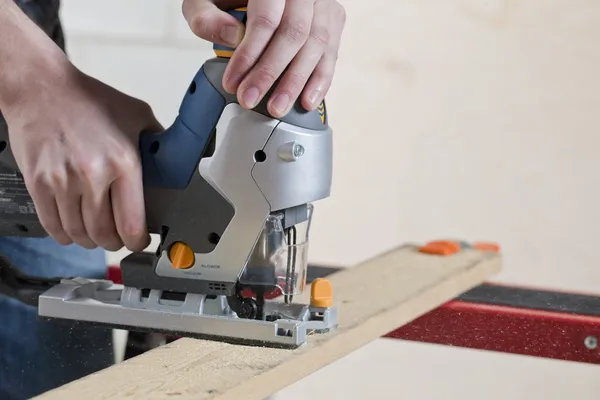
36, 356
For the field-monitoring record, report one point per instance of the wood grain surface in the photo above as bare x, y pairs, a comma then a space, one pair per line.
374, 298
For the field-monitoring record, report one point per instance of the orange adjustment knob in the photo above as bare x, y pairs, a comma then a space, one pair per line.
181, 256
321, 293
441, 248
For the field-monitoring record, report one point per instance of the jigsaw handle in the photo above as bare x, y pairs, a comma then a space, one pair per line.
169, 159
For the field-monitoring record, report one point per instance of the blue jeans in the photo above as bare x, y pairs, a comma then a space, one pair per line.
37, 356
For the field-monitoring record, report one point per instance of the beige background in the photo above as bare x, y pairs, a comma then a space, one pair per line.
472, 119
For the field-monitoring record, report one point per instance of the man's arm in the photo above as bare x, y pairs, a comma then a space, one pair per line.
26, 52
75, 140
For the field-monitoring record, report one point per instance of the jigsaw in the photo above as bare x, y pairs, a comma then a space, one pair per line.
230, 192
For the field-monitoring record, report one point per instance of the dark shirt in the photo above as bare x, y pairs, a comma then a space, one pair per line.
45, 13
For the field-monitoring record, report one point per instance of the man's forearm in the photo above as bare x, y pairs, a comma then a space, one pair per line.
26, 54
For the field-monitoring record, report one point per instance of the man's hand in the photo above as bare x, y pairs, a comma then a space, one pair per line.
75, 140
76, 143
300, 35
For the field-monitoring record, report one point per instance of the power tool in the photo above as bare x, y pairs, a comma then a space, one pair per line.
230, 192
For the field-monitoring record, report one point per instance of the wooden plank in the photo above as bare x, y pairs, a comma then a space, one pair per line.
375, 297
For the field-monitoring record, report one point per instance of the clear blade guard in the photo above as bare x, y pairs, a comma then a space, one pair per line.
279, 258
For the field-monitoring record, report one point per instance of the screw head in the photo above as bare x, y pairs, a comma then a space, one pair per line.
298, 150
291, 151
591, 342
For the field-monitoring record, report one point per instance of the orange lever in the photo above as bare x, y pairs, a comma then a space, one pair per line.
321, 293
181, 256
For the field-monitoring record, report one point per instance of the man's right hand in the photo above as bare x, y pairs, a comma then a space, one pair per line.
75, 140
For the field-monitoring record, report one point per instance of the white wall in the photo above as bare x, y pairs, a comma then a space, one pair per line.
468, 118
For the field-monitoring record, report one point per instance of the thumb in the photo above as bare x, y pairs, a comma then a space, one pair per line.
210, 23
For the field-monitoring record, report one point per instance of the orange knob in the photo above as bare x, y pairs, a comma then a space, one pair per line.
181, 256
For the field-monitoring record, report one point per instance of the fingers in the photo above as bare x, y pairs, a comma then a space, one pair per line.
295, 42
47, 210
210, 23
98, 220
304, 64
70, 211
328, 32
80, 203
93, 203
290, 37
263, 19
128, 205
294, 79
43, 183
96, 207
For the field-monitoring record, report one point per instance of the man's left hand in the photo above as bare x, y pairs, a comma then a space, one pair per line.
302, 36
